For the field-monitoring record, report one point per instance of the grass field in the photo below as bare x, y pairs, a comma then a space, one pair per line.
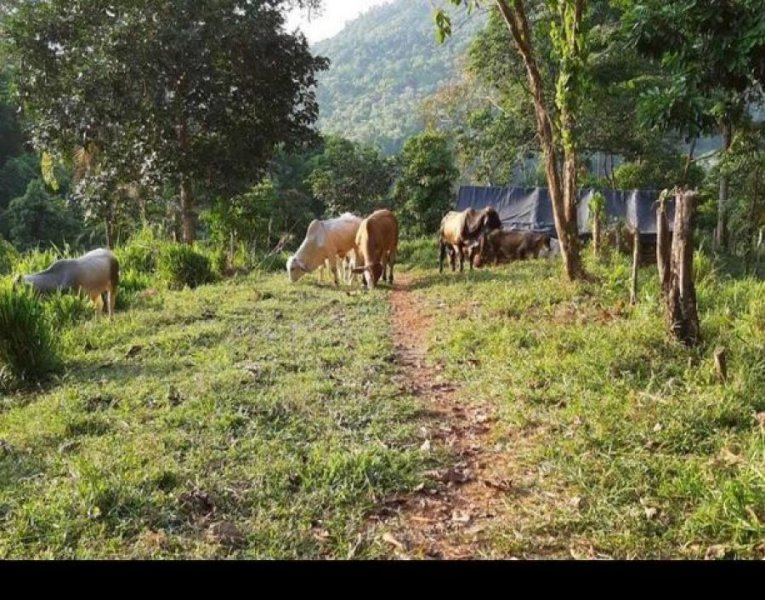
246, 419
257, 419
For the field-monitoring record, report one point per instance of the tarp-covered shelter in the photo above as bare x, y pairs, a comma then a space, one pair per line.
531, 208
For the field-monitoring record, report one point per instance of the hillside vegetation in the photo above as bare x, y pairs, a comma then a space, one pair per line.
383, 65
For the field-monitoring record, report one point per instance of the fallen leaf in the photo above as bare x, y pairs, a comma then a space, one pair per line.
456, 476
502, 486
651, 512
425, 446
387, 537
658, 428
716, 552
461, 516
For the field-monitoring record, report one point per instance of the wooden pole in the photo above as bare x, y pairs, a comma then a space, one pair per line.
663, 241
635, 265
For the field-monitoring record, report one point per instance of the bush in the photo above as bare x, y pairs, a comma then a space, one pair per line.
8, 257
140, 253
28, 352
179, 266
419, 252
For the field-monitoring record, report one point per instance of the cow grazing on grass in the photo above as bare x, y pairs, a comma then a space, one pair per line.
505, 246
325, 242
376, 246
95, 273
462, 231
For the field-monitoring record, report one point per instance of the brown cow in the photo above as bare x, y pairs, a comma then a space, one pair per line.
377, 243
461, 231
504, 246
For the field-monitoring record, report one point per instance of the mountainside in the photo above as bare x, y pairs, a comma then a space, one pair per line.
384, 64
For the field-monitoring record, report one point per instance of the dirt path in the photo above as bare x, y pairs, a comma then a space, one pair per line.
451, 521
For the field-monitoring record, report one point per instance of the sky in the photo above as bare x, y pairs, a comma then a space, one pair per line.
334, 15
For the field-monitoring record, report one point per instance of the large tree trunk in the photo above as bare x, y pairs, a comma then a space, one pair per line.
721, 232
563, 199
682, 315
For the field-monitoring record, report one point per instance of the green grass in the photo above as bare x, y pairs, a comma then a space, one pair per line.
252, 402
273, 407
625, 438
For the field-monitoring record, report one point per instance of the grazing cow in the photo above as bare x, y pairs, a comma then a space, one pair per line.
461, 231
325, 241
94, 273
504, 246
347, 263
376, 246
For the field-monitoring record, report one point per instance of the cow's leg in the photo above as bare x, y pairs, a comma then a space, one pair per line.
442, 257
112, 300
333, 268
98, 302
392, 261
462, 259
453, 258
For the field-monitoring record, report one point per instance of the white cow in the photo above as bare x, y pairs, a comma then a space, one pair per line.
325, 242
94, 273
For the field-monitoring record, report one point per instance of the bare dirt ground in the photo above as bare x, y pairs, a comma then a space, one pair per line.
449, 522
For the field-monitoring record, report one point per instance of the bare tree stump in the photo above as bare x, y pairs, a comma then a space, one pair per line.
721, 365
663, 249
682, 314
635, 265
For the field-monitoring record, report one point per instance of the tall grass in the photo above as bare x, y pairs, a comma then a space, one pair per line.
28, 350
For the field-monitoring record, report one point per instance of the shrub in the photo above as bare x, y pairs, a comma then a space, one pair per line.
8, 257
140, 253
36, 261
28, 351
179, 266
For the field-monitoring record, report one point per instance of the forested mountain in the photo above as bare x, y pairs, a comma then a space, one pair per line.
384, 64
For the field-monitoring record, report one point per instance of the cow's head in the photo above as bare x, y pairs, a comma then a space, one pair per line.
371, 273
295, 268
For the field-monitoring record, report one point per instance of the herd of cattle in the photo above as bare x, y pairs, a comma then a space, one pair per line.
349, 245
358, 246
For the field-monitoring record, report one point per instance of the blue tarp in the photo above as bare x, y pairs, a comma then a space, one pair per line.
530, 208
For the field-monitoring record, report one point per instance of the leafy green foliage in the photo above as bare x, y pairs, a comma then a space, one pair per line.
9, 256
424, 188
204, 117
383, 65
179, 266
39, 218
350, 177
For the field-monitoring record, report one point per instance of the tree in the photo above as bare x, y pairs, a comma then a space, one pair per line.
423, 191
713, 56
192, 93
349, 177
37, 217
568, 35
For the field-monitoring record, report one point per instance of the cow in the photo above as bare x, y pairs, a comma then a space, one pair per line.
505, 246
376, 246
461, 231
324, 242
94, 273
